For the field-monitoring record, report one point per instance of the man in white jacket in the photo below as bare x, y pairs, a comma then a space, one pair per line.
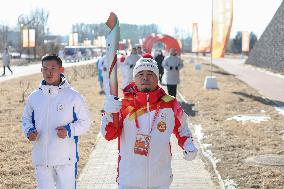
127, 67
147, 119
172, 65
53, 118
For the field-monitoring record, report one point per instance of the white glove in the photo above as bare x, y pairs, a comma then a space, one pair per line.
112, 104
184, 131
189, 156
107, 118
190, 151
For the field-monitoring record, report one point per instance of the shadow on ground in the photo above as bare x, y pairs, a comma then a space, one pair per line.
260, 99
223, 73
213, 65
189, 109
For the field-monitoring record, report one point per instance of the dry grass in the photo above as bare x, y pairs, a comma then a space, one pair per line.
15, 151
22, 62
232, 141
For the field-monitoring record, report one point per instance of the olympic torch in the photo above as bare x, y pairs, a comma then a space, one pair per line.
112, 41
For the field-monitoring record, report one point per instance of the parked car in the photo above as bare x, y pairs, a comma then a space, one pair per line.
15, 55
25, 56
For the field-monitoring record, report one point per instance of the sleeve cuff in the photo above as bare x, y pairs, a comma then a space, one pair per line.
67, 127
30, 131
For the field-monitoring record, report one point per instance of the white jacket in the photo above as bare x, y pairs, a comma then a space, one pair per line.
171, 65
153, 170
47, 108
6, 58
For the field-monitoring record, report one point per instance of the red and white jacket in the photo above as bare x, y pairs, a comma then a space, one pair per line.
153, 170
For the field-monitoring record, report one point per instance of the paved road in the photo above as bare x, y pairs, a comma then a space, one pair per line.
20, 71
266, 83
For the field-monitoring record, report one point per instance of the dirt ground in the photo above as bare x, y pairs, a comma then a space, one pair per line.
232, 141
15, 151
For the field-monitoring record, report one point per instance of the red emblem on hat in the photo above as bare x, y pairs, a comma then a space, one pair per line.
147, 55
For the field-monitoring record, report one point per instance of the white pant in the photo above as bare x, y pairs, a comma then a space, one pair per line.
127, 187
59, 177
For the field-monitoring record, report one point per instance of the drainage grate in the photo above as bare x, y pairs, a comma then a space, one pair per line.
269, 159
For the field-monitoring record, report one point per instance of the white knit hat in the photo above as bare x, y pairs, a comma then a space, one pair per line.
146, 64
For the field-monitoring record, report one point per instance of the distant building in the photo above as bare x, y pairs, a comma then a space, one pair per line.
53, 38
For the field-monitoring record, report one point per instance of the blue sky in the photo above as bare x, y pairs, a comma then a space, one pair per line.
249, 15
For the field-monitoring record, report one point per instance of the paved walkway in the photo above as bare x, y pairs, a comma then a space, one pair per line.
266, 83
19, 71
100, 171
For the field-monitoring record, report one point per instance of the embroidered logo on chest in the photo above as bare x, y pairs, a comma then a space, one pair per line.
60, 107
